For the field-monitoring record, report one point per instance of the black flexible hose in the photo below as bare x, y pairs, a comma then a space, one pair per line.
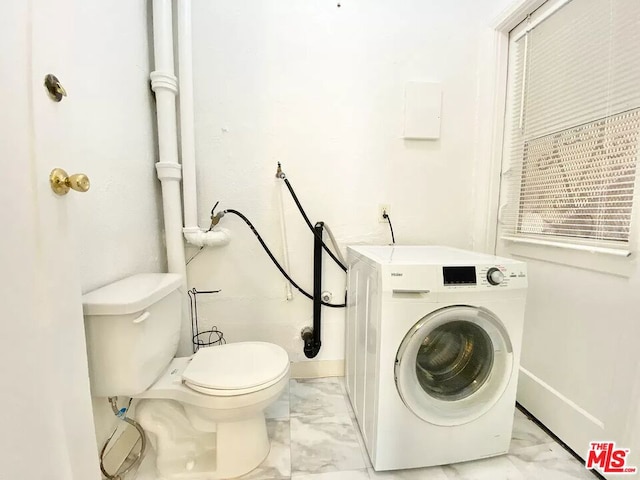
306, 219
276, 263
393, 238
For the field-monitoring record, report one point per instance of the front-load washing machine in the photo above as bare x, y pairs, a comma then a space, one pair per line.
432, 352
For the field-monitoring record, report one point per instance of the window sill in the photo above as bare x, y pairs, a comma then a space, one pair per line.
570, 246
600, 259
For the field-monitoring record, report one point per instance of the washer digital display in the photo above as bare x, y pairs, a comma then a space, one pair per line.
459, 275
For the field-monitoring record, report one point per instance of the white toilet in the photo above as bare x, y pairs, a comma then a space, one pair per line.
204, 414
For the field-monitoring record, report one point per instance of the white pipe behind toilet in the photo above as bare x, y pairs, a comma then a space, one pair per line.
165, 85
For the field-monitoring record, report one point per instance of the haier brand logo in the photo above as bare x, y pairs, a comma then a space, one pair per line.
396, 274
607, 458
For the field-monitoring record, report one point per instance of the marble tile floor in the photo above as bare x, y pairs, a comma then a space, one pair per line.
314, 436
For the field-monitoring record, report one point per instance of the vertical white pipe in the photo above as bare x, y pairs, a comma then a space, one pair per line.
285, 245
192, 232
169, 175
162, 36
187, 133
165, 86
164, 81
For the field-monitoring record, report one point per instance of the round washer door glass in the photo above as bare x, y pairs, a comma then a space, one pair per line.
454, 365
454, 360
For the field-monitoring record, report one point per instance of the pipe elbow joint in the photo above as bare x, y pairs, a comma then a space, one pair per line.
200, 238
311, 347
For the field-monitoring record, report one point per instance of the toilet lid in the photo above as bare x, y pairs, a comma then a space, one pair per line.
236, 366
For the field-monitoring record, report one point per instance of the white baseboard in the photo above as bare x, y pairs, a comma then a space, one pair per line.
570, 422
315, 369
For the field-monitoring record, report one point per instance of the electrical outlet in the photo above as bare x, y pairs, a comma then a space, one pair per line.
382, 208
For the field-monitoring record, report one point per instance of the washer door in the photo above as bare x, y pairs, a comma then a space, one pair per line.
454, 365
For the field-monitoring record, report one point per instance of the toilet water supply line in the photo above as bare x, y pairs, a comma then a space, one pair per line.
121, 413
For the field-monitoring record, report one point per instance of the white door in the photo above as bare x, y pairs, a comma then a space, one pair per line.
454, 365
45, 406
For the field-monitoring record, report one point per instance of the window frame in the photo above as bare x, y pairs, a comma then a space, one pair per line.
590, 254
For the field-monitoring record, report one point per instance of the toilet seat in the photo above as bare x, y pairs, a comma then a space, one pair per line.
231, 393
236, 368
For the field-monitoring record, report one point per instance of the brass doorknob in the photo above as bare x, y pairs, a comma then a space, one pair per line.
55, 89
61, 182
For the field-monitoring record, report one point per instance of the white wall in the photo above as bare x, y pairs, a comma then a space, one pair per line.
320, 88
117, 224
118, 227
580, 338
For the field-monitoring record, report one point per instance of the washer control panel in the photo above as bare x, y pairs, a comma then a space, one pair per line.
502, 275
495, 276
459, 275
488, 276
429, 279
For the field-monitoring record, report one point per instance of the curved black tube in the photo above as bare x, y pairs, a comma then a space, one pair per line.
306, 219
393, 238
276, 263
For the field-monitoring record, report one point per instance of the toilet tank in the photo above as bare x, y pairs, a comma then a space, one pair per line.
132, 328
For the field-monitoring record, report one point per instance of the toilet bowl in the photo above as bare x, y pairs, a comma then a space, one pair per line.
204, 414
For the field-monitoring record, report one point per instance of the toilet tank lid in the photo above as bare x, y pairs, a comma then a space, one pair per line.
131, 294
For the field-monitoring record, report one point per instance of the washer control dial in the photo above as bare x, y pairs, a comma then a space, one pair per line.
495, 276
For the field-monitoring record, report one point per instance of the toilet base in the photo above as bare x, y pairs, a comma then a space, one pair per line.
242, 446
230, 449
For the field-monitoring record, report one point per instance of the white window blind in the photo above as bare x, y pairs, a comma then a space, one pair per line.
574, 126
